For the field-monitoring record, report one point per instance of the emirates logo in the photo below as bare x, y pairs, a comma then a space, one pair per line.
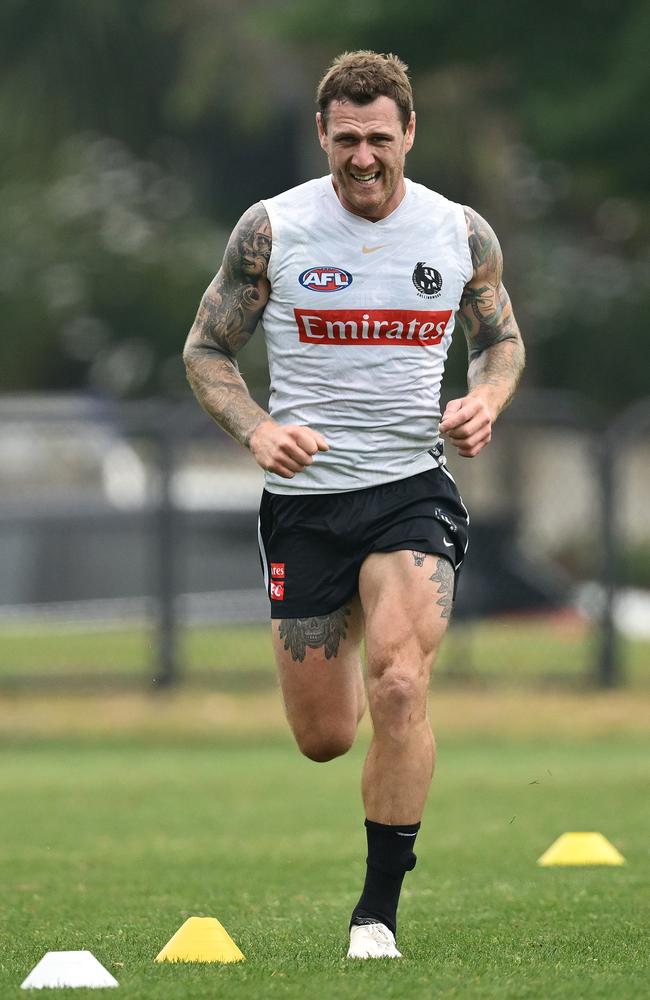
372, 328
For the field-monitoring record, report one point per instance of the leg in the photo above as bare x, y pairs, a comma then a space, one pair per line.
406, 598
320, 675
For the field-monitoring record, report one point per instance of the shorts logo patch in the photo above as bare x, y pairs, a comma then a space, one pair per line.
325, 279
277, 581
441, 516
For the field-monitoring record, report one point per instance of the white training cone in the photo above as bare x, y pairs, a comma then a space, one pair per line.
68, 968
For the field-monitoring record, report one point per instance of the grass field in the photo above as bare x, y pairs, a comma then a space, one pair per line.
123, 812
110, 838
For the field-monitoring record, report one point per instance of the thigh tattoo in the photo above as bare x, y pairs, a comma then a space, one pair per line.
324, 631
444, 576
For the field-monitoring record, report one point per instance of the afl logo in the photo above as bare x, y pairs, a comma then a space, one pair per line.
325, 279
427, 280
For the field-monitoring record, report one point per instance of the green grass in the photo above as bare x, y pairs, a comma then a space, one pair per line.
240, 656
110, 846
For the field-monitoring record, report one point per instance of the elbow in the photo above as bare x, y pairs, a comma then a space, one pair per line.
189, 356
520, 354
199, 356
195, 351
191, 362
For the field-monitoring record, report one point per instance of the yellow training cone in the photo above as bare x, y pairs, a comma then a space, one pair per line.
200, 939
581, 849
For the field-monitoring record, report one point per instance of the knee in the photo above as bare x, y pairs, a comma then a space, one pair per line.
323, 745
398, 695
395, 688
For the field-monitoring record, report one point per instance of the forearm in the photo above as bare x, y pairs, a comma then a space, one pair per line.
494, 372
222, 392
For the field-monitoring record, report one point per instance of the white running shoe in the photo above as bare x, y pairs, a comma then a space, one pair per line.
372, 941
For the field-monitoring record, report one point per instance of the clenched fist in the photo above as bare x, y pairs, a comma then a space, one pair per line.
285, 449
467, 424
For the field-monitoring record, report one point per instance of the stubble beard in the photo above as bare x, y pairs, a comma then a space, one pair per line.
360, 201
352, 195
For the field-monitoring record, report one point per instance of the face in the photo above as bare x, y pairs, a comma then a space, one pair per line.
366, 148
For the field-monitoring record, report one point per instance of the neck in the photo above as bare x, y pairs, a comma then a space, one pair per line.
380, 213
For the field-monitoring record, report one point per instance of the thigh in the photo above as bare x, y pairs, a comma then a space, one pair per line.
406, 597
319, 666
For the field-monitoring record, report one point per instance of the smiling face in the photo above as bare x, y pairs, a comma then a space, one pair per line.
366, 147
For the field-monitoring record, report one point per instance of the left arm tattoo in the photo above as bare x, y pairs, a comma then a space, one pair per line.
496, 350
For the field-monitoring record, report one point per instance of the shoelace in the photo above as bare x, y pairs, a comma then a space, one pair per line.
380, 934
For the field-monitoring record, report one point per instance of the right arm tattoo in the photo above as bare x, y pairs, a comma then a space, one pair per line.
226, 320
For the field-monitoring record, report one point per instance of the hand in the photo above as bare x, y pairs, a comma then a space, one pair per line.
285, 449
467, 424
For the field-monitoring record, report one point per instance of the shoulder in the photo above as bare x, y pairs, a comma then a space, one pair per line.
299, 195
422, 193
483, 243
253, 217
445, 215
249, 246
296, 213
252, 226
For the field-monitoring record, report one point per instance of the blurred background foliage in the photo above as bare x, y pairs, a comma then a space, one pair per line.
135, 134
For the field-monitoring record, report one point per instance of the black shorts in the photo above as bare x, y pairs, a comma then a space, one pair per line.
312, 546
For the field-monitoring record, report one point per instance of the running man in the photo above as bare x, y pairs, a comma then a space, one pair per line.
358, 278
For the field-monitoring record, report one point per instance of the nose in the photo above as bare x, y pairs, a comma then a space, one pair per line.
364, 157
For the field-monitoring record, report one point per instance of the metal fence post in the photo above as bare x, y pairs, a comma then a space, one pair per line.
627, 427
608, 665
166, 543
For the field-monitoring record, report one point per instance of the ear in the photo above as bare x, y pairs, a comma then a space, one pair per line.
409, 135
322, 134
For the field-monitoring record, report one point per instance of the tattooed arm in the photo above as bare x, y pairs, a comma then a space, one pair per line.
496, 350
226, 320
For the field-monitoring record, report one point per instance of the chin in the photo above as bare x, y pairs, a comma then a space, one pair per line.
366, 201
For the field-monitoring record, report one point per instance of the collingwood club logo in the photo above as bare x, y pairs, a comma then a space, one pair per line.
427, 280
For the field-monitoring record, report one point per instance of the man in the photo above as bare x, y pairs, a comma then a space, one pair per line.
358, 278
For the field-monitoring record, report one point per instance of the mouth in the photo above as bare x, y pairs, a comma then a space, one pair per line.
366, 180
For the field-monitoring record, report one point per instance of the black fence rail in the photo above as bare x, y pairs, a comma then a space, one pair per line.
99, 519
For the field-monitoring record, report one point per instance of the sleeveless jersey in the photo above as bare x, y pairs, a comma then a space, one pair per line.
357, 328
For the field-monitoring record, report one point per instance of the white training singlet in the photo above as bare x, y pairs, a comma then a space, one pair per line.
357, 328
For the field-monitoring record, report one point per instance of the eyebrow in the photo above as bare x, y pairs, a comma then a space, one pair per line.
354, 135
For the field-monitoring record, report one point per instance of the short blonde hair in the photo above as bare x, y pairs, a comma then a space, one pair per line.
361, 77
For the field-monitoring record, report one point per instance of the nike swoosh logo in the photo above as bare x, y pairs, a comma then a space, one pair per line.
400, 834
449, 545
365, 249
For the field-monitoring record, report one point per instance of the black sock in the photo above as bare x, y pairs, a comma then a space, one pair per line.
390, 856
